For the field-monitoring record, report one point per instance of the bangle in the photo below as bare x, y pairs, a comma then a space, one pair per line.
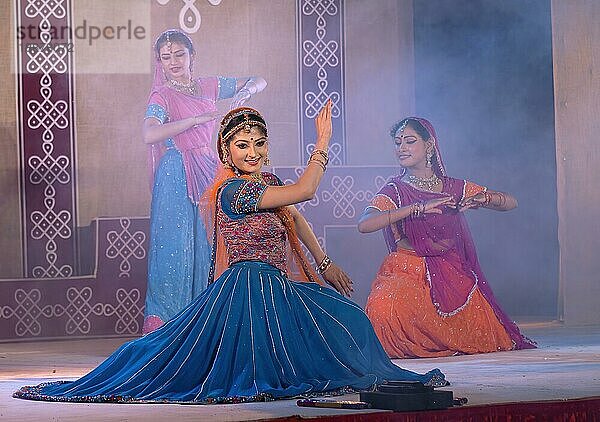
321, 153
319, 162
488, 198
324, 265
417, 209
502, 199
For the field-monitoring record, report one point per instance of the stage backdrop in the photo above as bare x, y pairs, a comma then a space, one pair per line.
576, 51
93, 192
484, 77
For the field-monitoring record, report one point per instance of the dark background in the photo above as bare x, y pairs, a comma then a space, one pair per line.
484, 79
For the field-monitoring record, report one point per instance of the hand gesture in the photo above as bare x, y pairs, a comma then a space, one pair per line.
240, 98
338, 279
434, 206
474, 202
323, 125
206, 117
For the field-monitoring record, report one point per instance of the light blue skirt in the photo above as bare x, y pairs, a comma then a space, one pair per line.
179, 252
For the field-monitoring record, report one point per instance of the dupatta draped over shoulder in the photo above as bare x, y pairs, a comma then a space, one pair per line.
445, 243
168, 105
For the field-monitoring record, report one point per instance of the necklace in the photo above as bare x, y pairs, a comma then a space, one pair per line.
255, 177
424, 183
258, 177
191, 88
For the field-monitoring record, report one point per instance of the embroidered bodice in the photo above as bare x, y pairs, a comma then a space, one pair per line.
251, 234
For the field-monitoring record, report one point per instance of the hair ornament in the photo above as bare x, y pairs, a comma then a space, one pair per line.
173, 35
402, 126
247, 126
251, 117
169, 44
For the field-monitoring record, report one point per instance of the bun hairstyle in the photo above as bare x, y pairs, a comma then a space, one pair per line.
243, 118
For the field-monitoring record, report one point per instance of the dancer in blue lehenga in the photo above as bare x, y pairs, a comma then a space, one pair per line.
178, 127
253, 334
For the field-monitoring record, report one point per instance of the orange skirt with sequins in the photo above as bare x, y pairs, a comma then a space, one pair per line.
408, 325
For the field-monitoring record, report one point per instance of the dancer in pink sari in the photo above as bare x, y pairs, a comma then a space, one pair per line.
178, 127
430, 296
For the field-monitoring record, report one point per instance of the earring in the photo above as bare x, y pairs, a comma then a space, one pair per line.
225, 160
429, 156
267, 161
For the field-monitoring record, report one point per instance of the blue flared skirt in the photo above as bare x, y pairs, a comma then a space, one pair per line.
252, 335
179, 251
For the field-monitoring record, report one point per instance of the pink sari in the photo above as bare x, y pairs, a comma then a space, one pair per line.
199, 160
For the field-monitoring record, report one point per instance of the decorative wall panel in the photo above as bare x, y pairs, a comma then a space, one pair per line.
109, 302
46, 138
321, 72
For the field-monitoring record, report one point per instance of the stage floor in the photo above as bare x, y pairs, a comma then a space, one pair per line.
566, 365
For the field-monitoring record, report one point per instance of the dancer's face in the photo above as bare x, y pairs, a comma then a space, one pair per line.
248, 150
411, 148
176, 62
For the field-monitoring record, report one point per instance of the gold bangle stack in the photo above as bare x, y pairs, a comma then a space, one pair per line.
417, 209
488, 198
324, 265
502, 199
320, 157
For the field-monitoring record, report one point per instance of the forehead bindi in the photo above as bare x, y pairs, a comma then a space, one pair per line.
174, 48
406, 133
255, 134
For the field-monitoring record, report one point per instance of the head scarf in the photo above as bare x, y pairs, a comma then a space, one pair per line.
159, 76
437, 163
445, 243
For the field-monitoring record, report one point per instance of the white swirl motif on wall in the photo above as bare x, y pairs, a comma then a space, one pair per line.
49, 115
125, 245
320, 52
189, 15
28, 311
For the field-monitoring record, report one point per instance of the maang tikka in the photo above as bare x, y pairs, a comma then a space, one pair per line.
169, 43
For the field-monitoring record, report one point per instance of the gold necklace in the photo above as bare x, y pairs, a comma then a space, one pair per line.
190, 88
424, 183
258, 177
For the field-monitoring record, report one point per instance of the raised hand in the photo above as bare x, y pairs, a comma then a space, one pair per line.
323, 126
240, 98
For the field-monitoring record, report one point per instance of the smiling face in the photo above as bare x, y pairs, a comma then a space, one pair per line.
248, 150
176, 61
411, 148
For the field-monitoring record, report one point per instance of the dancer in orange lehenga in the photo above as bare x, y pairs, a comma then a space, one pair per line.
430, 297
